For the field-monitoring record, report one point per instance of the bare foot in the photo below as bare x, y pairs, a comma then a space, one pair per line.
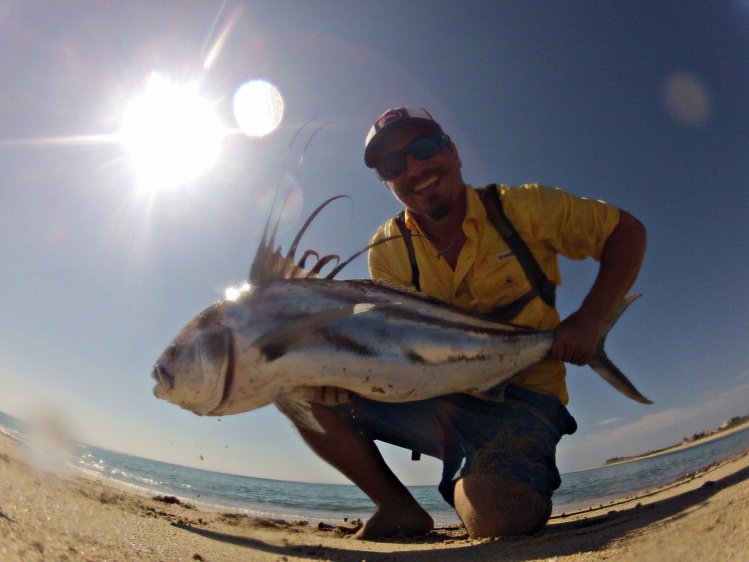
388, 521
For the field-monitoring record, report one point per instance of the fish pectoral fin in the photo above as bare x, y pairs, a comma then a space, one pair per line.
278, 341
297, 406
493, 394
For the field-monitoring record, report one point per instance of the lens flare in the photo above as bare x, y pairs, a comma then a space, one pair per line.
686, 99
233, 293
258, 108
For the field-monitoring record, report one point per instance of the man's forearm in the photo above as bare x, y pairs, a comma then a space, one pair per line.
578, 335
620, 264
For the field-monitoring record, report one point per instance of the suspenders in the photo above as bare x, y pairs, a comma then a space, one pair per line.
400, 220
541, 285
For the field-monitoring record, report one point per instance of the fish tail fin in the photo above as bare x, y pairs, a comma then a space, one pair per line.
602, 365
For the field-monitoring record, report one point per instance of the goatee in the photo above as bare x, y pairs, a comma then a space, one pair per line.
440, 211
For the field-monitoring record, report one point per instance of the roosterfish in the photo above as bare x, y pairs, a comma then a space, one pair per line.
291, 330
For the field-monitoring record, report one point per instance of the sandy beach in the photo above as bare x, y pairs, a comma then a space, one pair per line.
71, 517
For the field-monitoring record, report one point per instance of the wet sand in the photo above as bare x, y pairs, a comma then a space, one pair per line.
73, 517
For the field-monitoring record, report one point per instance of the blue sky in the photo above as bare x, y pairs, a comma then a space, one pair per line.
643, 105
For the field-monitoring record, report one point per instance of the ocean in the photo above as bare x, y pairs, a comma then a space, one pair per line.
259, 497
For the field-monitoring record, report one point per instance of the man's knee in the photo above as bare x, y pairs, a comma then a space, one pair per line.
493, 506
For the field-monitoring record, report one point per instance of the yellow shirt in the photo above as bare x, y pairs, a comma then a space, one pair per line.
488, 275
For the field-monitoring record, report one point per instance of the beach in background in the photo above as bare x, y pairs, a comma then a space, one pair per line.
69, 514
293, 501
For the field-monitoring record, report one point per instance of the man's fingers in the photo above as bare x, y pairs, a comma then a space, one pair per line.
557, 350
569, 352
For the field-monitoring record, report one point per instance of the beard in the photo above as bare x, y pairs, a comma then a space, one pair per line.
440, 210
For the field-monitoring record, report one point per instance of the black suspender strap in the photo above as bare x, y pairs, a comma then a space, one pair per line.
496, 215
541, 285
509, 311
400, 220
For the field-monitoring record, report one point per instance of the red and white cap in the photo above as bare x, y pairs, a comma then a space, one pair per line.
389, 121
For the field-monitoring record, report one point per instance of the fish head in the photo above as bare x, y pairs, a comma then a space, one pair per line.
194, 371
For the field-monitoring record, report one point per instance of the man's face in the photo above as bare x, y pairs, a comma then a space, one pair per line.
428, 187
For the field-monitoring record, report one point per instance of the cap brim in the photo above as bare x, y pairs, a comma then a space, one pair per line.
371, 152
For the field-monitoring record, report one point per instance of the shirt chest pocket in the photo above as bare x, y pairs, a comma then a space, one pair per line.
499, 279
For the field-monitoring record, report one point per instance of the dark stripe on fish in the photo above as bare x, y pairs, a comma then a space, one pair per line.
409, 314
342, 341
280, 347
414, 357
275, 349
231, 364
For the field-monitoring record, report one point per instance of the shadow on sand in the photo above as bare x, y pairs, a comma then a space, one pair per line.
557, 539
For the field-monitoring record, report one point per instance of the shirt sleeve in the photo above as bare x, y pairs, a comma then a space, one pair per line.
572, 226
389, 261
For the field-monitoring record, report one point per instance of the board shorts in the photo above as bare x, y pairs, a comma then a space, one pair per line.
515, 438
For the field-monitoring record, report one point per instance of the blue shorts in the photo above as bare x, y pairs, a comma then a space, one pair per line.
515, 439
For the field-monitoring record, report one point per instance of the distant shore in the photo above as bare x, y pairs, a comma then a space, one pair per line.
684, 445
80, 518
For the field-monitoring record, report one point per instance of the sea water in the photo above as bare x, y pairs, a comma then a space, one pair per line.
259, 497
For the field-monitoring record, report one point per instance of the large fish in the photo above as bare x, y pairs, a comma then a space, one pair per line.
290, 331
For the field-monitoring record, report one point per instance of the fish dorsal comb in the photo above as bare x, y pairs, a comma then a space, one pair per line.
271, 265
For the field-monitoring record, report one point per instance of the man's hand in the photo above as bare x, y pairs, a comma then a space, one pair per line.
576, 339
577, 336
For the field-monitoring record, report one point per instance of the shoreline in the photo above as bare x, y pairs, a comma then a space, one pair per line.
680, 447
72, 516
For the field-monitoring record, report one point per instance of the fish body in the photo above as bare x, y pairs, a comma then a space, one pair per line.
277, 341
290, 331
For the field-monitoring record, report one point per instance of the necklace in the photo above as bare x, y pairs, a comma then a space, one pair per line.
440, 253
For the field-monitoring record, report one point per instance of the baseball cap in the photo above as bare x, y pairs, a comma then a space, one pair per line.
389, 121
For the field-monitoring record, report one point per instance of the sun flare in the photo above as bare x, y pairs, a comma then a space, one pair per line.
233, 293
171, 133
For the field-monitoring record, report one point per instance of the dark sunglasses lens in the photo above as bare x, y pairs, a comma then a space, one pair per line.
393, 166
421, 149
424, 148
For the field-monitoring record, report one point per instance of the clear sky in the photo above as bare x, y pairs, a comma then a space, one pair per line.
642, 104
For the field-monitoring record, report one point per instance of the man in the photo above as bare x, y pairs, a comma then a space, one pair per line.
499, 467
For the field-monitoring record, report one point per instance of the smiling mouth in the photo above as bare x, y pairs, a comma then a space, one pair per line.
425, 184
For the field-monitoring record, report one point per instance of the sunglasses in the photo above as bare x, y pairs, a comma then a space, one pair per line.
421, 148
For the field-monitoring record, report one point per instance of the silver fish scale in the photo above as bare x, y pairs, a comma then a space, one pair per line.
414, 348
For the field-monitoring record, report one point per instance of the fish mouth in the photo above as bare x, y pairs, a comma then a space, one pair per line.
164, 379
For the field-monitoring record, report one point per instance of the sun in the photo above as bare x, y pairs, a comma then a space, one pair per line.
173, 135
